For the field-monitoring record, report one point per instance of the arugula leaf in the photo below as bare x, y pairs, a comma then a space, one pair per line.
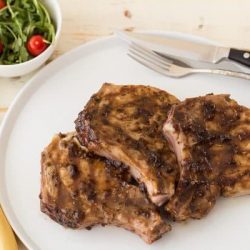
19, 20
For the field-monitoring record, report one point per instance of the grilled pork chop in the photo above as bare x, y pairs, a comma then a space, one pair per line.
124, 123
211, 138
80, 190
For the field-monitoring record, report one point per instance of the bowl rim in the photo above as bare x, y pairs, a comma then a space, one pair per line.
58, 21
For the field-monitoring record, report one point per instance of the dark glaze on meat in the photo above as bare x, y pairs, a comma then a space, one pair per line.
124, 123
80, 190
211, 137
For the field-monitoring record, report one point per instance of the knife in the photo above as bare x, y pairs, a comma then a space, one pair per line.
186, 48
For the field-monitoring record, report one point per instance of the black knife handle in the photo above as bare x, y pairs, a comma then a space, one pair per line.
240, 56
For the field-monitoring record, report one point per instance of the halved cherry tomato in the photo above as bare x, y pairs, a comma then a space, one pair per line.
2, 4
1, 48
36, 45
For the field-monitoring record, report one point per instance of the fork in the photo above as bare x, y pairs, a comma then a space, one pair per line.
168, 67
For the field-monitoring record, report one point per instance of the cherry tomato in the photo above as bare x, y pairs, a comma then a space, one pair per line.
1, 48
2, 4
36, 45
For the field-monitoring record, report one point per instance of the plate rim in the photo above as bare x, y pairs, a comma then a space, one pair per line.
20, 100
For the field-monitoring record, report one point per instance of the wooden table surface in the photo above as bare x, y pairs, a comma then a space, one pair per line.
225, 21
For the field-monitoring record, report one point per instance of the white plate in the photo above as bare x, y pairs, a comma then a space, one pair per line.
50, 102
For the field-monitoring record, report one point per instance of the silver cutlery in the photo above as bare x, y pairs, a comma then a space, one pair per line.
188, 49
169, 67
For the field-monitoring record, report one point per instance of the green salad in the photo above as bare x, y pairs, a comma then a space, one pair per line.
26, 30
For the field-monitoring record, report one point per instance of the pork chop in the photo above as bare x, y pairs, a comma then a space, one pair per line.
80, 190
124, 123
211, 138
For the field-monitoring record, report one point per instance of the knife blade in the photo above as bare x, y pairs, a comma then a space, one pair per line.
187, 49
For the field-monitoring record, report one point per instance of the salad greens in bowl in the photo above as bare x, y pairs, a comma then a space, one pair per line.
29, 30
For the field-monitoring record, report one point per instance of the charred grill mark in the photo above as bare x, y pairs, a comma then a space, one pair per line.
209, 110
226, 182
202, 135
73, 171
108, 193
199, 193
74, 150
118, 170
75, 194
144, 213
66, 217
228, 116
153, 130
153, 159
87, 188
143, 114
105, 111
179, 116
85, 133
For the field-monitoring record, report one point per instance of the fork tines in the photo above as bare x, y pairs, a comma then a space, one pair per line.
149, 58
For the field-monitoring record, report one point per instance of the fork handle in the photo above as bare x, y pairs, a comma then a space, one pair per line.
240, 56
223, 72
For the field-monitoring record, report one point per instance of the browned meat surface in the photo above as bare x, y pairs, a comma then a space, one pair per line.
124, 123
211, 138
80, 190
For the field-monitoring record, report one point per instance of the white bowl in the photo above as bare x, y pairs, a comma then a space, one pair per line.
29, 66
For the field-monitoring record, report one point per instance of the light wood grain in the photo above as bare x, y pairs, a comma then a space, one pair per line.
225, 21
